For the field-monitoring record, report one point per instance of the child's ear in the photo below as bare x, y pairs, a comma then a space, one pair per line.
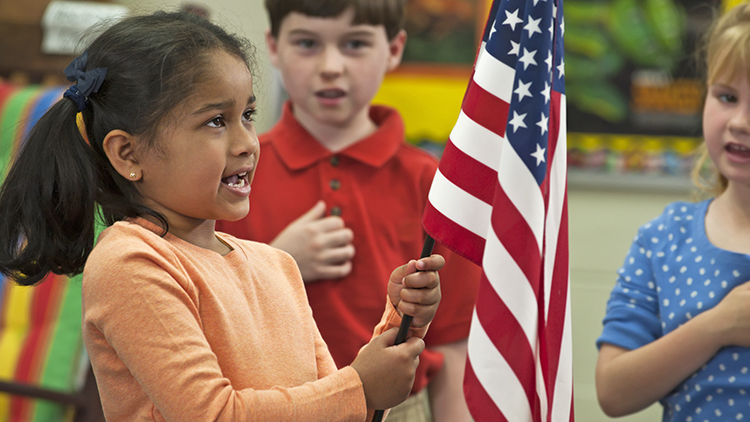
396, 49
273, 48
120, 149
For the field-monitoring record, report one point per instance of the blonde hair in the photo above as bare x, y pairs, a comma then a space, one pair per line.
726, 49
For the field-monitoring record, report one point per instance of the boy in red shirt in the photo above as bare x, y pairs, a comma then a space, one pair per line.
348, 192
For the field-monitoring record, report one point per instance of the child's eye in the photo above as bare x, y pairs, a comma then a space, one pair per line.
727, 98
305, 43
217, 121
248, 114
355, 44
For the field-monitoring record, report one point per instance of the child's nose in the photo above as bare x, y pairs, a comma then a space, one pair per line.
741, 118
332, 62
245, 141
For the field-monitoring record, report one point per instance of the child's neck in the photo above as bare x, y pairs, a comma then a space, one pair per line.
336, 138
728, 220
736, 201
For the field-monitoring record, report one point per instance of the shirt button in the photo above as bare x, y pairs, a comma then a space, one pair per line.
335, 161
336, 211
335, 184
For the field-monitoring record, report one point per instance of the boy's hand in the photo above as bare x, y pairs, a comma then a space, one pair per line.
387, 371
322, 246
414, 289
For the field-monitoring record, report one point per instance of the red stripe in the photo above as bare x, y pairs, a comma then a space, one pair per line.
6, 90
447, 232
479, 182
555, 327
485, 108
481, 405
503, 329
516, 236
43, 310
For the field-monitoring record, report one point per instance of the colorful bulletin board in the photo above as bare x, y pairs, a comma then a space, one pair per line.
429, 85
633, 87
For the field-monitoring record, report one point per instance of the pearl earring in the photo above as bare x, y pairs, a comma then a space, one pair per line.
132, 175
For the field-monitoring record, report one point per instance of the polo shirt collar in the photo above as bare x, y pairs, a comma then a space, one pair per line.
298, 149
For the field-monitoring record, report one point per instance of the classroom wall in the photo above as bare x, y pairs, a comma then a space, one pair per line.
603, 221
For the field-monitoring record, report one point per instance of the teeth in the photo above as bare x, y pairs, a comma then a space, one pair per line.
239, 184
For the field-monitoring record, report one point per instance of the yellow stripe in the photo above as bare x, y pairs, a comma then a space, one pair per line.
17, 314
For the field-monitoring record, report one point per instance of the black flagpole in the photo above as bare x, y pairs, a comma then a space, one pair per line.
429, 243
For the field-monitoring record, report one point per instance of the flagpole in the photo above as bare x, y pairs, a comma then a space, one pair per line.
403, 330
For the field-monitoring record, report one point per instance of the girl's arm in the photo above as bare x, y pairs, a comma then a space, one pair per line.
630, 380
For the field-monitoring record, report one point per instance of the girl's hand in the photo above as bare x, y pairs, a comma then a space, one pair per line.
414, 289
387, 371
731, 317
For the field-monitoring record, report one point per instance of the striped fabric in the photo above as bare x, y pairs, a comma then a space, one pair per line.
499, 198
40, 327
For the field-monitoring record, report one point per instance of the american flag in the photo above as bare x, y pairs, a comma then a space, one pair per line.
499, 198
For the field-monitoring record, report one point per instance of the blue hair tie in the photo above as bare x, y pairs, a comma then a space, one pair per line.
86, 83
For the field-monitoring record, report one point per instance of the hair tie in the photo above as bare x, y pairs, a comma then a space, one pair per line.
82, 127
86, 83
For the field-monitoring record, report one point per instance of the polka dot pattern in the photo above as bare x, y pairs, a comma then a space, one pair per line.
671, 274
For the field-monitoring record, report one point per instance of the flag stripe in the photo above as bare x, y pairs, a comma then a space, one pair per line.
477, 398
520, 298
493, 373
480, 185
503, 330
459, 206
476, 141
482, 106
492, 76
516, 236
448, 232
523, 192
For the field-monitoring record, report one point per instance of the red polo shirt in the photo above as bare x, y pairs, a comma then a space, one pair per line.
379, 187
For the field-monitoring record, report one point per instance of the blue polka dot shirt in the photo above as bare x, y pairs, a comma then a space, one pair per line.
671, 274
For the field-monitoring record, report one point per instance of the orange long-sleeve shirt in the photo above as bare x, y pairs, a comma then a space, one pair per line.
179, 333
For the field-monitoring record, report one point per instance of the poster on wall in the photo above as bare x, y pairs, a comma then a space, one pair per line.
634, 84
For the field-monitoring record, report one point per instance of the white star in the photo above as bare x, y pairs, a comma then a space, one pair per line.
554, 11
523, 90
533, 26
514, 48
517, 121
548, 60
493, 30
551, 30
528, 58
561, 68
562, 26
512, 19
539, 154
543, 123
545, 92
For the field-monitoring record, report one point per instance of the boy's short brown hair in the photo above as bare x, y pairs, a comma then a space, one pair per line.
389, 13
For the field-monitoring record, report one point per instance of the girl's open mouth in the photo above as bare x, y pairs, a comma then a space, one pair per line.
236, 180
